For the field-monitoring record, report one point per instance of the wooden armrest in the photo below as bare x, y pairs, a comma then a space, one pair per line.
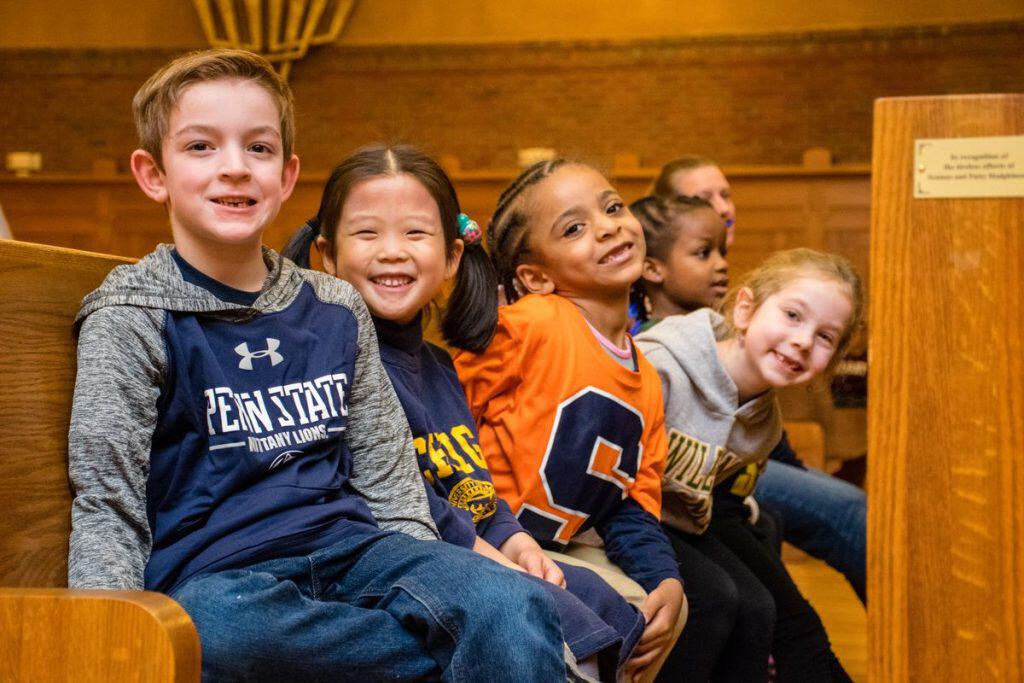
55, 634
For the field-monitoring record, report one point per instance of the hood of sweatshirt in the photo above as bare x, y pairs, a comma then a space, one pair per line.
156, 282
689, 343
710, 435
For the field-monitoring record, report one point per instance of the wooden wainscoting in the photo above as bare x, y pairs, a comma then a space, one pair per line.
826, 207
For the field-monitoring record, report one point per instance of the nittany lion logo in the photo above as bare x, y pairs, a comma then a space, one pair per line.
247, 355
283, 458
476, 496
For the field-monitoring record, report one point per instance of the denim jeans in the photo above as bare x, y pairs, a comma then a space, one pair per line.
595, 619
824, 516
375, 606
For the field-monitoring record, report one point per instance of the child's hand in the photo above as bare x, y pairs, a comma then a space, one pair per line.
524, 551
540, 565
661, 610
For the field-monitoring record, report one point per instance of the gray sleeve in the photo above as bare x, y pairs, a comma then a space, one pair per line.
384, 469
120, 363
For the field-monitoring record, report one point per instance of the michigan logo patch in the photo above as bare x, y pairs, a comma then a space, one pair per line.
476, 496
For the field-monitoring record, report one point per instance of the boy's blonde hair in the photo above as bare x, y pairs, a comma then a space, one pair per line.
783, 267
158, 96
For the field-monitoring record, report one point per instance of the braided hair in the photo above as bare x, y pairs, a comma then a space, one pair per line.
506, 233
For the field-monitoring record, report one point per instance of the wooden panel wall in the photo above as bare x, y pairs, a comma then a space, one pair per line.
747, 100
946, 409
779, 207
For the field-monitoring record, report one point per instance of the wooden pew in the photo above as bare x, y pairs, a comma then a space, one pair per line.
808, 441
49, 632
946, 395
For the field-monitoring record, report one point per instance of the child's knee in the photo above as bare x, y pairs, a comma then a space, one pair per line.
229, 609
756, 611
510, 589
714, 609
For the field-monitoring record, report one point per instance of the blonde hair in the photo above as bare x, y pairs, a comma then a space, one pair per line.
156, 99
783, 267
663, 183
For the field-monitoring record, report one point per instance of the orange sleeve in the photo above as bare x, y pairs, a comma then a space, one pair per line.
647, 489
492, 373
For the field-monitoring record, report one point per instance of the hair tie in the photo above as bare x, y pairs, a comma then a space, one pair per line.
313, 225
469, 230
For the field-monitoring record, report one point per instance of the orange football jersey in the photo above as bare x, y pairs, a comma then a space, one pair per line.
568, 433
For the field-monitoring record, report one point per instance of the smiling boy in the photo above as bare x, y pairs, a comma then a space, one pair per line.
236, 444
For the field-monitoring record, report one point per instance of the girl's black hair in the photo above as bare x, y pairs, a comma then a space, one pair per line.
658, 217
506, 233
471, 315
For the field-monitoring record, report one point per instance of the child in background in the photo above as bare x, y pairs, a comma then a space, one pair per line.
788, 323
570, 415
696, 176
389, 223
685, 268
236, 444
823, 515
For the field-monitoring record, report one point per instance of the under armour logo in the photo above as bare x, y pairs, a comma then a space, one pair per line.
247, 356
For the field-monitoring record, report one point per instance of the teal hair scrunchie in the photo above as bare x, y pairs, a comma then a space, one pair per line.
469, 229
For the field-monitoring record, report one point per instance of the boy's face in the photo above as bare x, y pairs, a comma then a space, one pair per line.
224, 175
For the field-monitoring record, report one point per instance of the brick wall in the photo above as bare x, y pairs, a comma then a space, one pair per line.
741, 100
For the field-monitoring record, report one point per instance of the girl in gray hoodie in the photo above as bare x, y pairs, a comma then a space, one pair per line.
789, 323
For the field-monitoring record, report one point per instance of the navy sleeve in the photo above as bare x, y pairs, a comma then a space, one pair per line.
634, 540
784, 453
498, 527
454, 525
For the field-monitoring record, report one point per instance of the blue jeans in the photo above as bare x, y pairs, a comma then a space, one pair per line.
595, 619
375, 606
824, 516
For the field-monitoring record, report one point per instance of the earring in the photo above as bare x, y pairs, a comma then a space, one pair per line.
740, 339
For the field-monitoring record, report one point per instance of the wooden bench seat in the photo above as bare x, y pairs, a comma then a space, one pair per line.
50, 633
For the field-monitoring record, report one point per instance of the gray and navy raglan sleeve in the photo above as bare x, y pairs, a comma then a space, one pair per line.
121, 358
384, 468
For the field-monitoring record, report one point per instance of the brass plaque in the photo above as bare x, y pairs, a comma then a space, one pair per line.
969, 167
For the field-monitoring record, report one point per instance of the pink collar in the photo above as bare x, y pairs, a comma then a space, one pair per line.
625, 354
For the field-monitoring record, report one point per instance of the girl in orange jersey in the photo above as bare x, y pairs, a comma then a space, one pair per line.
570, 415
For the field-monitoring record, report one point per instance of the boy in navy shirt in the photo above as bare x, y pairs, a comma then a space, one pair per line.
236, 444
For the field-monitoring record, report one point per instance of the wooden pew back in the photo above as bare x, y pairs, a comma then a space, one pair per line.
808, 441
42, 288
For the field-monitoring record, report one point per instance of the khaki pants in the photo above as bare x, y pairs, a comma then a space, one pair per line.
595, 560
